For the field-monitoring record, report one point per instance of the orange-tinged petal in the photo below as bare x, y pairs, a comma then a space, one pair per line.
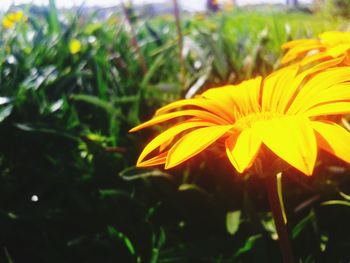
221, 95
338, 50
301, 50
333, 139
164, 145
193, 143
331, 44
160, 159
206, 104
333, 38
336, 93
325, 65
244, 96
247, 95
273, 94
241, 149
314, 58
298, 42
321, 81
203, 115
292, 139
167, 135
335, 108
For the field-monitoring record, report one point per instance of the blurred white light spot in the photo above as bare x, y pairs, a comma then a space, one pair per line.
4, 100
197, 64
34, 198
11, 59
92, 39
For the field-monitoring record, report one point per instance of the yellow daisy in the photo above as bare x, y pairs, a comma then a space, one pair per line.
286, 113
332, 45
74, 46
11, 19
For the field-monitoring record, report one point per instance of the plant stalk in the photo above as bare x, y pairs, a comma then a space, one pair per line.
277, 212
134, 41
179, 42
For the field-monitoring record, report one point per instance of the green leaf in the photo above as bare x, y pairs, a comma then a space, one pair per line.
93, 100
53, 17
345, 196
233, 221
192, 187
56, 105
336, 202
157, 242
115, 233
280, 196
323, 242
134, 173
152, 71
8, 256
125, 99
5, 112
248, 245
104, 193
269, 225
101, 82
33, 128
301, 225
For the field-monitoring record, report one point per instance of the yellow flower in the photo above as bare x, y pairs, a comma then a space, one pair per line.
285, 113
332, 45
11, 19
15, 16
74, 46
8, 24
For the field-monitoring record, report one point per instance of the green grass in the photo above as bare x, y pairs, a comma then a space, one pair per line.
64, 122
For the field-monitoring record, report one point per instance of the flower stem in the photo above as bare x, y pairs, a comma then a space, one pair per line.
277, 212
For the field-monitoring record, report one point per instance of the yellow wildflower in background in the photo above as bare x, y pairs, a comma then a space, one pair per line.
11, 19
74, 46
332, 45
286, 113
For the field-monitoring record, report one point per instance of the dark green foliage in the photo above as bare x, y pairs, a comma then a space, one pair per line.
338, 7
69, 191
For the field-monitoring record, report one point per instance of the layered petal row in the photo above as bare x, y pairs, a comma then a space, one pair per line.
287, 113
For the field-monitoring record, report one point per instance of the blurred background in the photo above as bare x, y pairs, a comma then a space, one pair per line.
75, 76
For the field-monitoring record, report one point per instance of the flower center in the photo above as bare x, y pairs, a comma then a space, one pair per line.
247, 121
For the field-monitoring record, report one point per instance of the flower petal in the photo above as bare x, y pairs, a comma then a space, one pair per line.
314, 58
244, 97
203, 115
336, 93
157, 160
193, 143
242, 149
333, 139
329, 109
299, 42
321, 81
167, 135
325, 65
292, 139
332, 38
221, 95
274, 97
300, 50
338, 50
206, 104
